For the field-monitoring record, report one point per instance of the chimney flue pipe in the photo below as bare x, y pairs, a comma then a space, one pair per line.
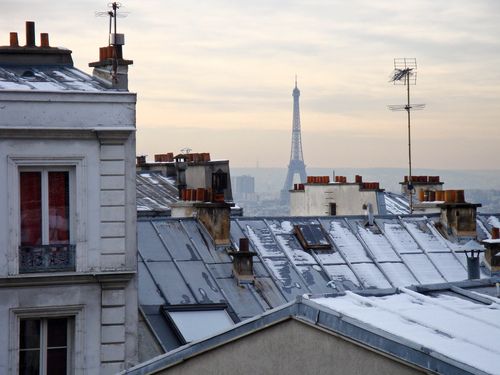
473, 271
244, 245
14, 41
44, 40
30, 34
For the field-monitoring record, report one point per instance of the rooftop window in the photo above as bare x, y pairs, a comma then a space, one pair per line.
312, 237
195, 322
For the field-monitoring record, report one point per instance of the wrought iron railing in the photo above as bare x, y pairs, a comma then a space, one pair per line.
47, 258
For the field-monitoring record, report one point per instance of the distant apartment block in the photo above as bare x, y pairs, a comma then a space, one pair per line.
244, 187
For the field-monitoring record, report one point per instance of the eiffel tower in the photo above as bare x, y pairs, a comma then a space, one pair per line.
296, 165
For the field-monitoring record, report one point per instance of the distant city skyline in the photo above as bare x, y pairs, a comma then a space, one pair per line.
217, 76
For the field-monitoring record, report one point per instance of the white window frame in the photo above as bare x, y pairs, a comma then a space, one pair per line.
78, 231
45, 198
75, 344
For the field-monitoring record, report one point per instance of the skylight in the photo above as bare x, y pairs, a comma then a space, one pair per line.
312, 236
197, 324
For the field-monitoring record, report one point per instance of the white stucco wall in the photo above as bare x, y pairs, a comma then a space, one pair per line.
93, 134
75, 110
314, 200
85, 299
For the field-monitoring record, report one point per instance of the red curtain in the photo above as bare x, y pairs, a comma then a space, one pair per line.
58, 208
31, 208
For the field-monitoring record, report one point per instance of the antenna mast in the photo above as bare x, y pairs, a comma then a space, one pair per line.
114, 40
405, 73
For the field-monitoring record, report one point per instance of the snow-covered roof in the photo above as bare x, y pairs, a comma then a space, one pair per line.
155, 192
52, 78
179, 265
461, 330
395, 204
439, 329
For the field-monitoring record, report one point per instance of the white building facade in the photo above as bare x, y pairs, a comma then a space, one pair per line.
68, 293
324, 199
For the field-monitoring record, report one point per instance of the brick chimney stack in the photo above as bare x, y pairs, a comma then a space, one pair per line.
243, 263
30, 53
458, 217
112, 68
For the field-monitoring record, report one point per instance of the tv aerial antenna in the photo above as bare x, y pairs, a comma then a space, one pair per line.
405, 73
113, 15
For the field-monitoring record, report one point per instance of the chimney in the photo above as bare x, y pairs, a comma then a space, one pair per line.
30, 34
243, 263
164, 158
44, 40
473, 272
215, 216
30, 53
214, 213
112, 68
458, 217
14, 40
492, 252
419, 183
140, 160
181, 166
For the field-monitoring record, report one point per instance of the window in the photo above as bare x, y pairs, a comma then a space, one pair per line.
192, 323
45, 220
45, 346
45, 216
311, 236
333, 209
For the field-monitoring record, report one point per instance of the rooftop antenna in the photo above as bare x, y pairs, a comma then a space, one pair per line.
405, 73
113, 15
114, 40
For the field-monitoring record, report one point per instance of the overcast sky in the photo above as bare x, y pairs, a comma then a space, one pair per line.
217, 76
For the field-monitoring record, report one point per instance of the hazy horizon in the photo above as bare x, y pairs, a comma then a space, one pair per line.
217, 76
272, 179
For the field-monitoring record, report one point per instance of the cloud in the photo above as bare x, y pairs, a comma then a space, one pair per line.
226, 68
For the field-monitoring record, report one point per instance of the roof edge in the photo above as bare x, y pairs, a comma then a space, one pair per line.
309, 312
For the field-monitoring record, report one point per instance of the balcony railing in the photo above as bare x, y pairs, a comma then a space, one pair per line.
47, 258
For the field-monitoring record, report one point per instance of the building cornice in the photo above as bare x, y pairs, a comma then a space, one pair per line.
65, 132
111, 279
68, 96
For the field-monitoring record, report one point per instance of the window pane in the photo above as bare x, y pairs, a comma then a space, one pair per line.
311, 236
56, 332
58, 207
29, 362
195, 325
30, 334
56, 361
31, 208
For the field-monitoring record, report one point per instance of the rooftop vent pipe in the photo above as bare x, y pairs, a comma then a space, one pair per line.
369, 214
473, 264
